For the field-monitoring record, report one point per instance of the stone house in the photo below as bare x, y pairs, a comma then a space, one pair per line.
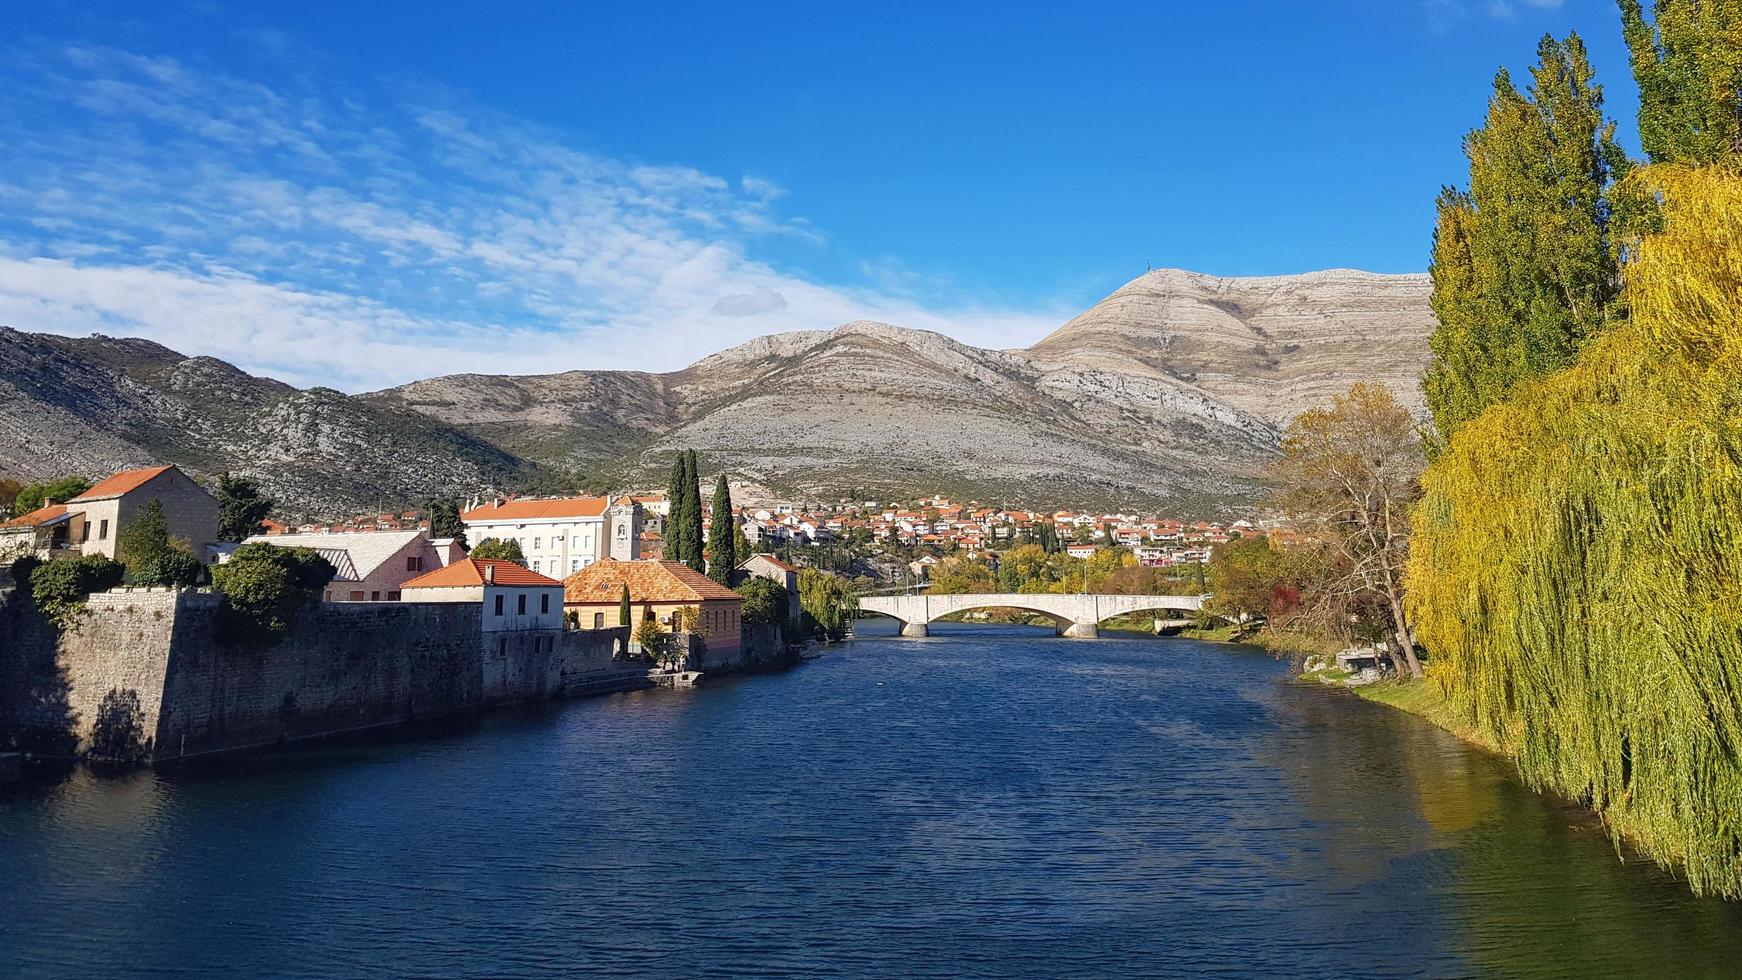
113, 503
372, 566
657, 590
560, 536
514, 598
46, 532
772, 568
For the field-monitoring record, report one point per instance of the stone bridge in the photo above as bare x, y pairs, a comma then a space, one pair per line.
1074, 615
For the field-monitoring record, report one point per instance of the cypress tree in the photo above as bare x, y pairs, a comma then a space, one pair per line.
623, 607
722, 537
1525, 268
1688, 62
675, 525
693, 514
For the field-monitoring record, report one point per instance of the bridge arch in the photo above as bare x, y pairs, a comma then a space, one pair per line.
1075, 615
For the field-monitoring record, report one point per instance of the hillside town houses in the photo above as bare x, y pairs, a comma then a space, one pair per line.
939, 524
392, 556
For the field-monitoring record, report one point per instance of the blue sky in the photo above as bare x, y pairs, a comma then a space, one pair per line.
358, 194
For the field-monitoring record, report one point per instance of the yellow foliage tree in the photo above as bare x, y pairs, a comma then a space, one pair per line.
1577, 563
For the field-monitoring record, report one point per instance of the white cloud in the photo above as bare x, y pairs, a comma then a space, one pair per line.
1443, 14
325, 240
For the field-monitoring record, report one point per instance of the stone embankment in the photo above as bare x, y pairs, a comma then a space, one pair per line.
142, 676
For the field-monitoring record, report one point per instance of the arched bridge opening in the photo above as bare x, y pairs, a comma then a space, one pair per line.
1073, 615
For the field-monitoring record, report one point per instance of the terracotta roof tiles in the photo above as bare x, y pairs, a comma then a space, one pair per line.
37, 518
121, 484
536, 510
470, 573
648, 581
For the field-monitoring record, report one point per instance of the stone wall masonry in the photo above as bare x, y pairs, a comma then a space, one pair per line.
760, 647
142, 675
342, 667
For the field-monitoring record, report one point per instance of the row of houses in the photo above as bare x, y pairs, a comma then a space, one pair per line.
940, 524
580, 554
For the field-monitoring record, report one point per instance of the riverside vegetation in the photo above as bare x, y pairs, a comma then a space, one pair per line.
1575, 557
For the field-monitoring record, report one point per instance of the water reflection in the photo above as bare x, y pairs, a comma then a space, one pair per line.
987, 801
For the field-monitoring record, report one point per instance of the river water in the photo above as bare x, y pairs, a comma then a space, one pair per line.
987, 802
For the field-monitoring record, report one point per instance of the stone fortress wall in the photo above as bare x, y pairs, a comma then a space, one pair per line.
142, 675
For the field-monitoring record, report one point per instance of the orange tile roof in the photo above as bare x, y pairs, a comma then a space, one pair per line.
470, 574
121, 484
535, 510
649, 581
36, 518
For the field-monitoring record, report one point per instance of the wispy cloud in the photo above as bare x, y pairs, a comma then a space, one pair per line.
331, 240
1444, 14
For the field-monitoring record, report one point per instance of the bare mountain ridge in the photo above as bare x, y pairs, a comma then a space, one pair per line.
1175, 388
98, 404
1171, 391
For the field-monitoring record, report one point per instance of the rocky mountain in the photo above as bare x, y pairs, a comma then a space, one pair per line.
97, 404
1274, 346
1173, 391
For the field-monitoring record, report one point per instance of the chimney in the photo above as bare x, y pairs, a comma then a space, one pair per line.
489, 574
49, 502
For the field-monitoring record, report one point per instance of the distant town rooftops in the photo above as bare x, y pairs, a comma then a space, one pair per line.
120, 485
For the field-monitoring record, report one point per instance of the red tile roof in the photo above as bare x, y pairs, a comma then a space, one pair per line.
470, 574
533, 510
36, 518
121, 484
649, 581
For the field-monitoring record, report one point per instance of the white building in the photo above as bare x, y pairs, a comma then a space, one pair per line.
514, 598
369, 566
560, 536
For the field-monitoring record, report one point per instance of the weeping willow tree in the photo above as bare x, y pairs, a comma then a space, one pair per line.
1577, 563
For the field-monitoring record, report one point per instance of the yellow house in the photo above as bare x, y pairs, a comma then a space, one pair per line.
657, 589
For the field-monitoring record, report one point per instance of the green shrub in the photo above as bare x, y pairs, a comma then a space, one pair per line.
173, 568
151, 557
59, 587
264, 587
764, 601
499, 549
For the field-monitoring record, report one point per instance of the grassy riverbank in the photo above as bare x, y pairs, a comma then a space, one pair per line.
1424, 699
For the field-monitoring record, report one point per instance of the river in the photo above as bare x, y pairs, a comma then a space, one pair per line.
987, 802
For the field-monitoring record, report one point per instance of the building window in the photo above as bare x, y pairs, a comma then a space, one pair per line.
103, 529
544, 603
413, 563
537, 543
357, 596
520, 606
375, 596
598, 621
535, 565
393, 596
498, 605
